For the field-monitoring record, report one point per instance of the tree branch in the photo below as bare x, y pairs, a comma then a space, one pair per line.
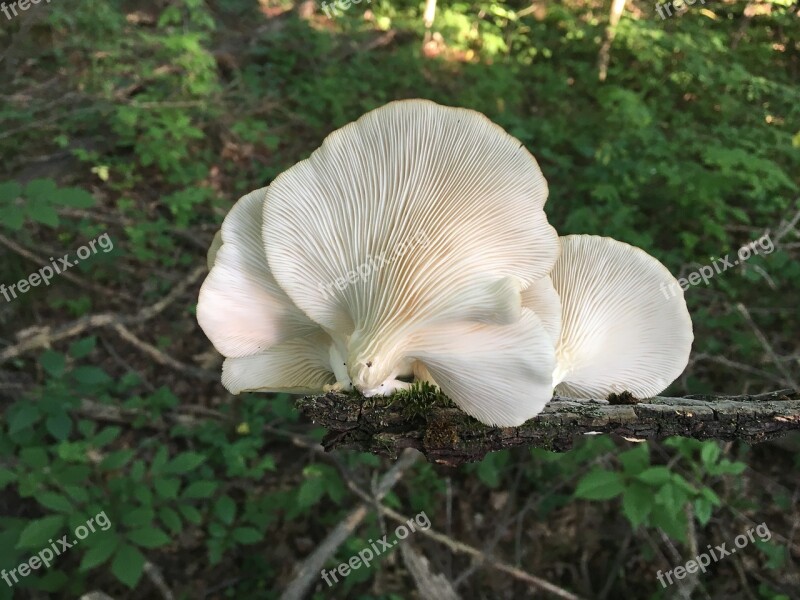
446, 435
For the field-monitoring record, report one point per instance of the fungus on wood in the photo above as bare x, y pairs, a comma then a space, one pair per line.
409, 261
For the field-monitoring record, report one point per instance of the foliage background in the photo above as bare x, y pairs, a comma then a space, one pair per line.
147, 120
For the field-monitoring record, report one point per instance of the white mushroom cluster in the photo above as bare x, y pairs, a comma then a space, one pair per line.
413, 246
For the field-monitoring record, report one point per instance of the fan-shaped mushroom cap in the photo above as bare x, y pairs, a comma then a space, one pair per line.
269, 342
297, 366
421, 215
500, 374
620, 331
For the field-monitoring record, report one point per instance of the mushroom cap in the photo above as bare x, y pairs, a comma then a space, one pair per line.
541, 297
622, 328
297, 366
415, 215
500, 374
269, 343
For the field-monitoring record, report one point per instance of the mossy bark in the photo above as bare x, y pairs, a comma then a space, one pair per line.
446, 435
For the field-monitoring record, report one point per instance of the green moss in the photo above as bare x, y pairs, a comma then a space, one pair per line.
421, 399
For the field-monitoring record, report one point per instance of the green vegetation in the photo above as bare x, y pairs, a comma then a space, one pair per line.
147, 123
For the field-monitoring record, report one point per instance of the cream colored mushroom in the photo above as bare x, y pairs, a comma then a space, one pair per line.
446, 208
269, 343
449, 208
618, 330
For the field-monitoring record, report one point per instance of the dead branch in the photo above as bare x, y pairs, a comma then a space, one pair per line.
42, 337
448, 436
309, 572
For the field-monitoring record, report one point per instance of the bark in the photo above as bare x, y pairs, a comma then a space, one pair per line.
446, 435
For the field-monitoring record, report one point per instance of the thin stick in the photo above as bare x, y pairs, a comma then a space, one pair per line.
310, 570
44, 337
68, 275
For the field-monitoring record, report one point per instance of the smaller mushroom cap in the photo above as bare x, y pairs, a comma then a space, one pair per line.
268, 342
625, 325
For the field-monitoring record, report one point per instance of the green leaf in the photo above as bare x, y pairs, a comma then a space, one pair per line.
247, 535
310, 492
106, 436
711, 496
184, 462
673, 523
117, 460
36, 457
36, 533
128, 565
89, 375
200, 489
13, 217
149, 537
77, 493
53, 363
139, 517
9, 192
75, 197
170, 519
710, 452
655, 475
159, 461
22, 416
702, 510
43, 213
225, 509
6, 476
635, 460
489, 471
82, 348
41, 189
59, 425
101, 549
167, 487
637, 502
599, 484
55, 502
190, 513
143, 494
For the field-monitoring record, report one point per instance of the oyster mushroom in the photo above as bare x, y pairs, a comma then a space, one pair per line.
618, 331
446, 211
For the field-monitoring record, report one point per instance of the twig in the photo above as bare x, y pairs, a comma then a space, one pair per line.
604, 56
766, 345
448, 541
461, 548
43, 337
68, 275
312, 565
154, 574
161, 358
430, 586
